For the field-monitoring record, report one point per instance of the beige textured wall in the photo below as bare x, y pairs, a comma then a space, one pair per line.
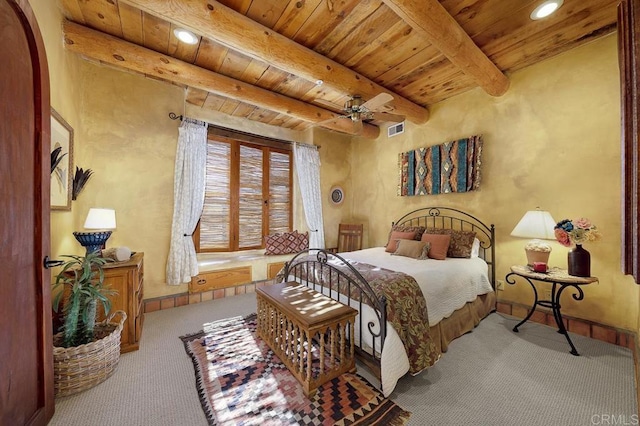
335, 155
129, 142
553, 140
65, 99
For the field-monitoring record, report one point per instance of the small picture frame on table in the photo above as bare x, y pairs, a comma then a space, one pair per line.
62, 162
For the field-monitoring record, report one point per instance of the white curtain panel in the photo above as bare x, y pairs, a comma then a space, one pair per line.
188, 200
307, 167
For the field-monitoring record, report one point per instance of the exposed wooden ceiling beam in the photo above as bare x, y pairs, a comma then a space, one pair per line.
218, 22
114, 51
430, 18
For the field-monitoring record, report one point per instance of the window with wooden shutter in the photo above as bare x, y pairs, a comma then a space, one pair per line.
215, 222
250, 200
279, 192
248, 193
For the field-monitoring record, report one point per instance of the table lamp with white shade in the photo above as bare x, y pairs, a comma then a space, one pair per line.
103, 220
537, 224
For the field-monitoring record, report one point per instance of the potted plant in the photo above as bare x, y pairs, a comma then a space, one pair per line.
85, 353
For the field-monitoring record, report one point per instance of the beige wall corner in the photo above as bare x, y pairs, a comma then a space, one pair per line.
553, 140
335, 155
130, 143
65, 99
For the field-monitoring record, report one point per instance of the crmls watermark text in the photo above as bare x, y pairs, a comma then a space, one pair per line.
614, 419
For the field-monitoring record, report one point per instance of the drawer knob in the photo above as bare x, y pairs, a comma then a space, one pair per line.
202, 281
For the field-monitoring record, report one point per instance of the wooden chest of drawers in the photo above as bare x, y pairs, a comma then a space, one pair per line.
127, 278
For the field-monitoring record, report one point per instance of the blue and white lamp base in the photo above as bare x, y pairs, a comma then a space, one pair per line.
92, 241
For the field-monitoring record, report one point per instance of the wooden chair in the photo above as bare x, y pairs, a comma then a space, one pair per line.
349, 237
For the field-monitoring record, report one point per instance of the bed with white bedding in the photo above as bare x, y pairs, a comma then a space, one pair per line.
421, 304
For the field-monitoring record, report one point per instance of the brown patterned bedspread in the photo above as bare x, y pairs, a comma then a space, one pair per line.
406, 305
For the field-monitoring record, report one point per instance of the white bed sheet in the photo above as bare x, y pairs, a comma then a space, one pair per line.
447, 286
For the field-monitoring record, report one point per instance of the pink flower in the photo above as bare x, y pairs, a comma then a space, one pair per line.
563, 237
582, 223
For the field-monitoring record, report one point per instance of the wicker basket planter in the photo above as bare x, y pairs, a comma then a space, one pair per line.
82, 367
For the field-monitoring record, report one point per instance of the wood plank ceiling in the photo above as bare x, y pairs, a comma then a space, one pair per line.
260, 59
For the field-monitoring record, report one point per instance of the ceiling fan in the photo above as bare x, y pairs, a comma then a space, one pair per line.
357, 110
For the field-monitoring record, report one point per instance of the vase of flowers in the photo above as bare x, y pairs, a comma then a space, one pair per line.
578, 232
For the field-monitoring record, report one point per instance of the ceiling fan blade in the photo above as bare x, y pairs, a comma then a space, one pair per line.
377, 101
385, 116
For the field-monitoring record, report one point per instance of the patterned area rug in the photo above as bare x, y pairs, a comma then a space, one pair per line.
241, 381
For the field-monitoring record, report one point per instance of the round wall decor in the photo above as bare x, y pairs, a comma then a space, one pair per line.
337, 195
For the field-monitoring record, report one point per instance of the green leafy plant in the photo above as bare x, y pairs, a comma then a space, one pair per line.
80, 284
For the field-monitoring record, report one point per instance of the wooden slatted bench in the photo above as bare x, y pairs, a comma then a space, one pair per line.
309, 332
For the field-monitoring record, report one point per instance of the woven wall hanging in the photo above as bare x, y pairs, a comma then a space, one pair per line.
449, 167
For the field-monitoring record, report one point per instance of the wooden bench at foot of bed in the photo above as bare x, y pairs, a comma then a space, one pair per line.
309, 332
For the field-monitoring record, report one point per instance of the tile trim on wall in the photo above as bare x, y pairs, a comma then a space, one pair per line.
579, 326
182, 299
542, 316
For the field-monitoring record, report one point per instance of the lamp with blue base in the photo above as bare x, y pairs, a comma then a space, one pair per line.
103, 220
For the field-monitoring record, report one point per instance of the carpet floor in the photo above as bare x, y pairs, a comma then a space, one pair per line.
491, 376
240, 380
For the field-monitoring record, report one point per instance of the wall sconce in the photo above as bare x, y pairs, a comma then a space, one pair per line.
537, 224
102, 219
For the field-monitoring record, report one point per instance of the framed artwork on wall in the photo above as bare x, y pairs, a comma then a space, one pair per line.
61, 162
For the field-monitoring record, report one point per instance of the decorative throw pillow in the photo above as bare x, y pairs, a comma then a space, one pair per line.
419, 230
475, 248
439, 245
392, 245
461, 244
414, 249
461, 241
285, 243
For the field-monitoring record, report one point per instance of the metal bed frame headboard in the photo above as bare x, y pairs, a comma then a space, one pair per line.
449, 218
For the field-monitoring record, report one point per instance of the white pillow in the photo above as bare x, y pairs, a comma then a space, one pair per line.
475, 248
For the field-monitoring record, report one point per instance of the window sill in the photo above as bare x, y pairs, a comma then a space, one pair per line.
212, 261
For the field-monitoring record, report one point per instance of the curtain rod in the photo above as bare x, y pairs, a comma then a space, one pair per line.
174, 116
308, 144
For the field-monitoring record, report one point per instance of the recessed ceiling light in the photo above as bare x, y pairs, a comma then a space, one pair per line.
545, 9
185, 36
319, 82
